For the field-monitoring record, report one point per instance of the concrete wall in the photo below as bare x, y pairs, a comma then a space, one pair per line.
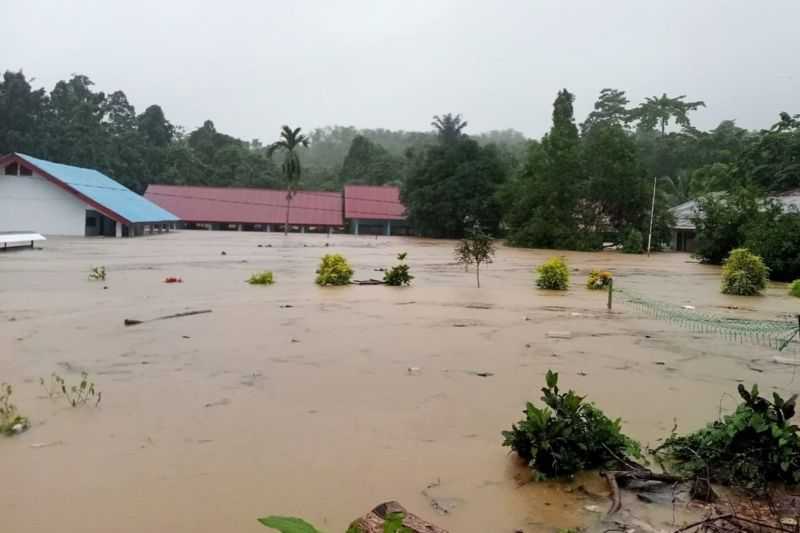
33, 203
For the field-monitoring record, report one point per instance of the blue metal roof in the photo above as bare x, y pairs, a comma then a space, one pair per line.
105, 191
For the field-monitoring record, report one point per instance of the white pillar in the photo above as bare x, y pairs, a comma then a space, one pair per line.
118, 229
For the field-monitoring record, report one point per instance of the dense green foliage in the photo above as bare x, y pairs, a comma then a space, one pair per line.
598, 279
744, 218
553, 274
476, 248
334, 270
567, 435
794, 288
755, 445
451, 181
400, 274
261, 278
576, 188
633, 242
744, 274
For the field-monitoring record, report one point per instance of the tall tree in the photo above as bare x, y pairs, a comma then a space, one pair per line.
369, 163
610, 108
22, 111
660, 110
772, 160
453, 180
290, 141
545, 211
449, 127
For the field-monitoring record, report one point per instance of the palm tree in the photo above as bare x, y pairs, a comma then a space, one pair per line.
290, 140
659, 110
449, 126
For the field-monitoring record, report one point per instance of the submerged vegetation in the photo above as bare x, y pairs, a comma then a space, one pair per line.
598, 279
568, 435
11, 422
261, 278
553, 274
400, 274
97, 273
750, 448
393, 523
77, 395
476, 248
744, 274
334, 270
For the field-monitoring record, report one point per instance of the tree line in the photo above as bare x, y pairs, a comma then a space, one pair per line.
579, 186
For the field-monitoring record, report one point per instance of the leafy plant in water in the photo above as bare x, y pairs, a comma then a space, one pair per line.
261, 278
11, 422
476, 248
76, 395
794, 288
97, 273
399, 274
598, 280
334, 270
755, 445
568, 435
633, 243
288, 524
744, 274
553, 275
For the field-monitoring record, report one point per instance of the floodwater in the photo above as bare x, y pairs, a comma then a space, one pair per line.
295, 399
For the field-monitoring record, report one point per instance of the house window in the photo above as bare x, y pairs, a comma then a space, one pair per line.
12, 169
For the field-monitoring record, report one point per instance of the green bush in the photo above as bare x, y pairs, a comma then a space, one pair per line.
794, 289
11, 422
755, 445
744, 274
399, 274
262, 278
334, 270
633, 243
553, 275
598, 280
568, 435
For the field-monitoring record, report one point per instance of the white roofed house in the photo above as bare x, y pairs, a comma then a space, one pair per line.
55, 199
684, 228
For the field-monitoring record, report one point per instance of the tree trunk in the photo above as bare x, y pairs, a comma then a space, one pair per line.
373, 521
478, 273
288, 208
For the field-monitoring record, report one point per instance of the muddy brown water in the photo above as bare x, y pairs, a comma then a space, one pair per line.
210, 421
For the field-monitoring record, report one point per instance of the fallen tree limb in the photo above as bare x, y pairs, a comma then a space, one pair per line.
615, 478
367, 282
616, 497
134, 322
373, 522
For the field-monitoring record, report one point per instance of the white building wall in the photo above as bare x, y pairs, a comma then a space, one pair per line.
33, 203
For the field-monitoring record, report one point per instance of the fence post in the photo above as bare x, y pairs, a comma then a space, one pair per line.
610, 292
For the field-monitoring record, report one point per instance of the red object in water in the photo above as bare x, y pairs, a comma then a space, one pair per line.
173, 279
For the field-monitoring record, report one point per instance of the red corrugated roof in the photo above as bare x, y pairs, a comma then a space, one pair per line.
247, 206
367, 202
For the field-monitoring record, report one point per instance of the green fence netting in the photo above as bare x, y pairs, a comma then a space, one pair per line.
781, 335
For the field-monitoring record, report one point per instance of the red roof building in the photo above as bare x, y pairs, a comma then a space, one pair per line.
245, 206
368, 206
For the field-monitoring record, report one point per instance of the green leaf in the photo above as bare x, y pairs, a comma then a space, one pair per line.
394, 523
288, 524
551, 379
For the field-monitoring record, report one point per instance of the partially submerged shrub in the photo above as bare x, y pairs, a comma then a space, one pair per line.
476, 248
553, 275
11, 422
393, 523
97, 273
399, 274
633, 243
334, 270
744, 274
76, 395
261, 278
568, 435
755, 445
598, 280
794, 288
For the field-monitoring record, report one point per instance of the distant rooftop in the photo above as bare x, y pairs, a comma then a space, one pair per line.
370, 202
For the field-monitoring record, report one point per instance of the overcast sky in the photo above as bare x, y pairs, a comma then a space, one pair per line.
252, 66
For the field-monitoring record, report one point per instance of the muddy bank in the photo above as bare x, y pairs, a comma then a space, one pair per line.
210, 421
